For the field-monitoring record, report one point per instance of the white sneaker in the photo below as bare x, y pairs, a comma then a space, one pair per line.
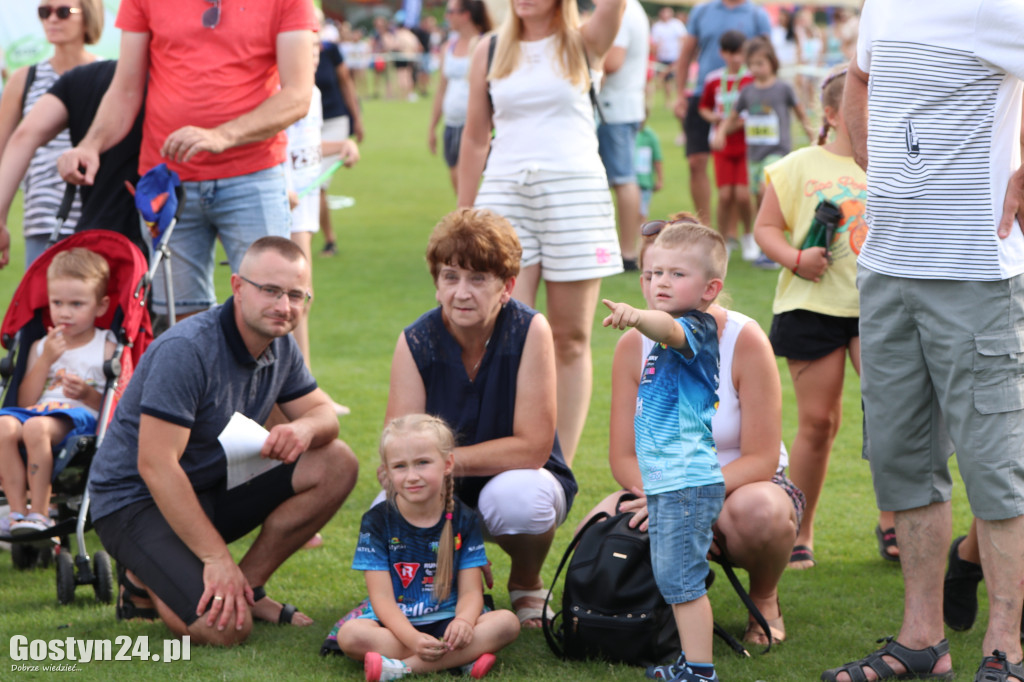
7, 521
730, 246
381, 668
32, 523
751, 251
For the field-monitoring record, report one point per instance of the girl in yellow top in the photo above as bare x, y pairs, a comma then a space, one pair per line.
816, 309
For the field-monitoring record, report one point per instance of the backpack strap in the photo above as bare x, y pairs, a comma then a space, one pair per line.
30, 78
548, 625
492, 45
593, 91
744, 597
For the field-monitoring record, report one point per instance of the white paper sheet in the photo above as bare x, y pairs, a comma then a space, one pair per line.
242, 440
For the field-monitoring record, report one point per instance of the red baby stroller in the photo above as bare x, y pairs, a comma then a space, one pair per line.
27, 319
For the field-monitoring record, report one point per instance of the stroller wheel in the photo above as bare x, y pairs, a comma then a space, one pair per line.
23, 555
104, 580
65, 578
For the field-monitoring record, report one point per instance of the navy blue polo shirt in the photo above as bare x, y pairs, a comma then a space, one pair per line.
196, 375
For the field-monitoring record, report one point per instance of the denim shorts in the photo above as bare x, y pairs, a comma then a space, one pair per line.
452, 142
617, 145
236, 210
680, 524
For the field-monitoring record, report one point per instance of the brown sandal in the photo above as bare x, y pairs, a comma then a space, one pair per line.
755, 635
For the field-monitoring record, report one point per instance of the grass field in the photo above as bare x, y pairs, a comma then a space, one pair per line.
376, 285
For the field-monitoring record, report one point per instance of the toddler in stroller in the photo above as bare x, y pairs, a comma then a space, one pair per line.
58, 397
80, 306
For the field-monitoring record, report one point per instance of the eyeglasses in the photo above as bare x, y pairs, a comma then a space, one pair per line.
296, 298
62, 11
211, 17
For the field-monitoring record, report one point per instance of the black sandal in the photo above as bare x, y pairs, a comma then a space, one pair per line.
126, 608
887, 539
918, 662
996, 668
287, 610
802, 553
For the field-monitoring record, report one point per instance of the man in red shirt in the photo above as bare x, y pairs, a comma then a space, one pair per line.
224, 81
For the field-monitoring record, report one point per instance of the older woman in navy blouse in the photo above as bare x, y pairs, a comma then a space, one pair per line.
485, 363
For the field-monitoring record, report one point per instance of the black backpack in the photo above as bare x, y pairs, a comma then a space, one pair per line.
611, 607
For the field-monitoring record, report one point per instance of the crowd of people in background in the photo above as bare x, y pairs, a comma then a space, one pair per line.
552, 168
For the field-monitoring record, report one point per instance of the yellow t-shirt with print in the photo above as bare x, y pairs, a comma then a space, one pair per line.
801, 180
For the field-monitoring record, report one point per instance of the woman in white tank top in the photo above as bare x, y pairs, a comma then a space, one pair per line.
469, 20
544, 175
761, 515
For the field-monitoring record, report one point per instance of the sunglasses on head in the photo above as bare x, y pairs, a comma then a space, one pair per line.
653, 228
62, 12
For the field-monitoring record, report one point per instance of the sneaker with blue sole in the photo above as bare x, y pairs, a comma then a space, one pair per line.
687, 674
667, 671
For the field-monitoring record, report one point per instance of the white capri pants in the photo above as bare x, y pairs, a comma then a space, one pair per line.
519, 502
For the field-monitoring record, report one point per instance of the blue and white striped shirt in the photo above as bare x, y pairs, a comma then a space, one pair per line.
678, 397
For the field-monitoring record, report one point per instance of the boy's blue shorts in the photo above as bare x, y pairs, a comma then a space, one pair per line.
680, 522
83, 423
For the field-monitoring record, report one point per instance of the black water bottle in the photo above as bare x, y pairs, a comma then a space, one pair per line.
827, 217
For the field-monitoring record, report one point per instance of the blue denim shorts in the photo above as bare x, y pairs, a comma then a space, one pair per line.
680, 523
617, 145
236, 210
452, 142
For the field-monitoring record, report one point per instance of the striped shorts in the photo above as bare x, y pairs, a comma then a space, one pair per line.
565, 222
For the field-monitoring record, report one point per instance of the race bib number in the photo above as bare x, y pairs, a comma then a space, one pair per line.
642, 160
762, 129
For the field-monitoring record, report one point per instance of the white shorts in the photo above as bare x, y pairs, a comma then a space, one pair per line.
333, 130
306, 216
518, 502
565, 222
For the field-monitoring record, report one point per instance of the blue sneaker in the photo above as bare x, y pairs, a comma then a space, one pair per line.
686, 674
763, 262
667, 671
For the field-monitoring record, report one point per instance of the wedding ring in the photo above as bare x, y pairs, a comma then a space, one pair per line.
218, 598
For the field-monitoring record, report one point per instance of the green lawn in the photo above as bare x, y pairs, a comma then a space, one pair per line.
376, 285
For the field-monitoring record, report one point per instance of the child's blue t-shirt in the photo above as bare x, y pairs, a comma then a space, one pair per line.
678, 397
387, 542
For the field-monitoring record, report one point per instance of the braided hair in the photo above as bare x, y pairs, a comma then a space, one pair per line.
444, 440
831, 96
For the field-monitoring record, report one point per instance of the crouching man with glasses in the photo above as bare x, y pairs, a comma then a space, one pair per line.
165, 502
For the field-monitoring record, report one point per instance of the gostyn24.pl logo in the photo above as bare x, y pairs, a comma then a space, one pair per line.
68, 652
